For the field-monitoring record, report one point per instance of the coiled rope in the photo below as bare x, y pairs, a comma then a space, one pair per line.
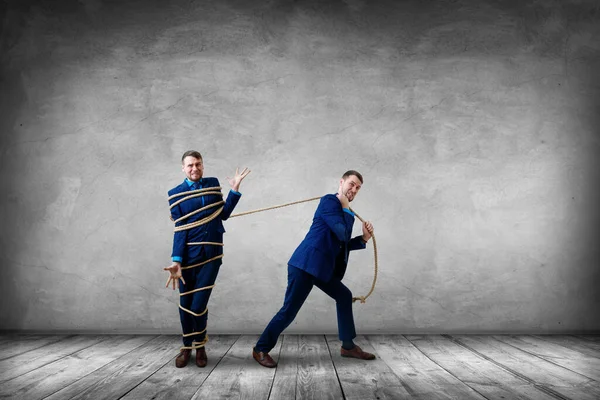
217, 191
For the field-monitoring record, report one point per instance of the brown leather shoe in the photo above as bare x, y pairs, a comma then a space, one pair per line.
183, 358
263, 359
201, 358
357, 352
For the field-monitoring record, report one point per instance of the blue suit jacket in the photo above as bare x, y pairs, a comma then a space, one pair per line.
324, 251
210, 232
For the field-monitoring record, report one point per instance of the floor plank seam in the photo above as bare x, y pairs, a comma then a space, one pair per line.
277, 367
546, 360
216, 365
335, 368
147, 377
535, 384
37, 348
585, 342
476, 366
409, 389
444, 369
585, 338
102, 366
297, 373
53, 361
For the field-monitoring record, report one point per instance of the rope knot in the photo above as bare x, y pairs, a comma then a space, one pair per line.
361, 298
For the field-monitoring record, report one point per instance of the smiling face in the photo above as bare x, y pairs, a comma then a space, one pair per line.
350, 186
193, 168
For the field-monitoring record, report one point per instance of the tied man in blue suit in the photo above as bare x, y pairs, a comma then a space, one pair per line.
321, 261
198, 209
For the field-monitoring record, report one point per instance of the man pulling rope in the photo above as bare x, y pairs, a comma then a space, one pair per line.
321, 260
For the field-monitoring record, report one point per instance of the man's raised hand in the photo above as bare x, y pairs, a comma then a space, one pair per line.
238, 178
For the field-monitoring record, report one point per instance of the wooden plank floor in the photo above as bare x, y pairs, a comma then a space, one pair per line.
310, 367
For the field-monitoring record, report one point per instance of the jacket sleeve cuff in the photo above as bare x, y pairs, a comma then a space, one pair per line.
234, 192
176, 259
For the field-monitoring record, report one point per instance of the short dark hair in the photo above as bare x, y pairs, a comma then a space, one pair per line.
355, 173
191, 153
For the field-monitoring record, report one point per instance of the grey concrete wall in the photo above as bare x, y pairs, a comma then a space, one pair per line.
475, 123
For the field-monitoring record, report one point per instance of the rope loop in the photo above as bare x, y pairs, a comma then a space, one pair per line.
217, 190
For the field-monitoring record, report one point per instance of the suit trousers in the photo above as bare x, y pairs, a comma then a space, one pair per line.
300, 283
196, 302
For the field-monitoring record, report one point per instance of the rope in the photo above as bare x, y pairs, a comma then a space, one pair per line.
190, 195
195, 333
217, 191
196, 345
273, 207
218, 203
197, 290
203, 262
193, 313
362, 299
202, 221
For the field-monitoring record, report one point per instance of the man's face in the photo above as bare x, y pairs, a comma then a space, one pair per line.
350, 186
193, 168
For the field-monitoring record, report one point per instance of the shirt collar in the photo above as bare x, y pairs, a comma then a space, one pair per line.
191, 183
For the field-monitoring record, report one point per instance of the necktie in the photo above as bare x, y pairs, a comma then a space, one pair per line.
196, 186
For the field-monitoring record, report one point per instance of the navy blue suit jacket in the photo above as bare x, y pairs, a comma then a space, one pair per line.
324, 251
210, 232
